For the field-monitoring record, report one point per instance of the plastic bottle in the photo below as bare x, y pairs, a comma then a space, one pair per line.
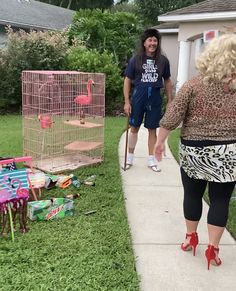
90, 181
75, 181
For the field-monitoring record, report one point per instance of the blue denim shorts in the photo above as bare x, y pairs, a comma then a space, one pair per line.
146, 105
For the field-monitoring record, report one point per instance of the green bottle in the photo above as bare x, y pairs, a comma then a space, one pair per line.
75, 181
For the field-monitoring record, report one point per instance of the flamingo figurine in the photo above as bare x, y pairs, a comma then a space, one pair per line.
5, 199
23, 195
20, 192
85, 99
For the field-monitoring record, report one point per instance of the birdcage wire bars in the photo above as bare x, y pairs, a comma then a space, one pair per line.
63, 119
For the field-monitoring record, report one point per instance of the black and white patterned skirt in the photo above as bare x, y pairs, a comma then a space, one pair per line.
215, 163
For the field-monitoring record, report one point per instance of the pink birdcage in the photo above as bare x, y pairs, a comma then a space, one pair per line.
63, 118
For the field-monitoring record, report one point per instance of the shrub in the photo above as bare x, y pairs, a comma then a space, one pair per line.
51, 51
29, 51
4, 86
84, 60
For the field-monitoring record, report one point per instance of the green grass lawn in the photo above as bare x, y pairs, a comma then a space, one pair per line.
82, 252
173, 142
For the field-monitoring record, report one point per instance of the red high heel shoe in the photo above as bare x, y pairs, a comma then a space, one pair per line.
210, 254
192, 243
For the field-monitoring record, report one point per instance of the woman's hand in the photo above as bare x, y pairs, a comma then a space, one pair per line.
159, 150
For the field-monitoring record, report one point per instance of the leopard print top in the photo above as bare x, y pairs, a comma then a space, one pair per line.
207, 111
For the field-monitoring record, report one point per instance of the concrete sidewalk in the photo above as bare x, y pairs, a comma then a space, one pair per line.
154, 208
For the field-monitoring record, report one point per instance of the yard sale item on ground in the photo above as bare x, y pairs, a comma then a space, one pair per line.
50, 209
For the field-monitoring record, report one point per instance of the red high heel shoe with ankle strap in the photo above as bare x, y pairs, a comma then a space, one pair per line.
192, 243
210, 254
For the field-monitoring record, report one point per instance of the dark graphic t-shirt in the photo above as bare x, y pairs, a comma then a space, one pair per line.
150, 74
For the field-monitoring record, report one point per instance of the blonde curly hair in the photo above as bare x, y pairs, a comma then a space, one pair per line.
218, 60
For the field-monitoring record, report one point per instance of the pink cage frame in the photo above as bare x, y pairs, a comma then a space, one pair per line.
53, 131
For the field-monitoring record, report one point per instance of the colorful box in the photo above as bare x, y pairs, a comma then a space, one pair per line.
50, 209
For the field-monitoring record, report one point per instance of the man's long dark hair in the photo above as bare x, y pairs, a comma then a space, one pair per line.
140, 56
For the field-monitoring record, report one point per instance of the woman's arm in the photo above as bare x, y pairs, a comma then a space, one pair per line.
178, 108
159, 148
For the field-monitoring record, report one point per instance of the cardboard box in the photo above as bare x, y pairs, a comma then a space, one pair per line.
50, 209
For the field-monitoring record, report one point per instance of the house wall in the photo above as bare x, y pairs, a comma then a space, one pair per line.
193, 57
189, 30
170, 48
193, 32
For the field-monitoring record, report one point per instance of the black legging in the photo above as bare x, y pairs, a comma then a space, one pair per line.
219, 195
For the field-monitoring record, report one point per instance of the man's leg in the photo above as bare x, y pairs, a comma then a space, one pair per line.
133, 138
152, 162
152, 118
152, 137
135, 120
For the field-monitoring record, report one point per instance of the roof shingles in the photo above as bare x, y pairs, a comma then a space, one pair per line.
209, 6
34, 14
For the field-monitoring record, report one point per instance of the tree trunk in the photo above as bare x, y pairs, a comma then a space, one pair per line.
69, 4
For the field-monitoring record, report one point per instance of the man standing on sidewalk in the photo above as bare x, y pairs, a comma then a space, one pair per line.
145, 74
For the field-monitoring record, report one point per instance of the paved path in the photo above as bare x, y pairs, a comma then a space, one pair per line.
154, 208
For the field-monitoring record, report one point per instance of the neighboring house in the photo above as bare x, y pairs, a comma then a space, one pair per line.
185, 32
22, 14
170, 46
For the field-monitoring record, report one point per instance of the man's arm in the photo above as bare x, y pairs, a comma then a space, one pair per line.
126, 92
168, 90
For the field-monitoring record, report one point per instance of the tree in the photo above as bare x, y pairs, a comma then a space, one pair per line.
149, 10
102, 30
80, 4
122, 1
124, 6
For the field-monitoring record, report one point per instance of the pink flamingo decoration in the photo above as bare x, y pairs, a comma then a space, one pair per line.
23, 195
20, 192
5, 199
85, 99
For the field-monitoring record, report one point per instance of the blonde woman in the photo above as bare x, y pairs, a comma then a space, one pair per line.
206, 105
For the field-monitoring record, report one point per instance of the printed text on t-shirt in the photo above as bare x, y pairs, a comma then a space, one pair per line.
150, 72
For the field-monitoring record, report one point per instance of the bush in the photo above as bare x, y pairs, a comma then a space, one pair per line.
84, 60
116, 32
4, 86
51, 51
28, 51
